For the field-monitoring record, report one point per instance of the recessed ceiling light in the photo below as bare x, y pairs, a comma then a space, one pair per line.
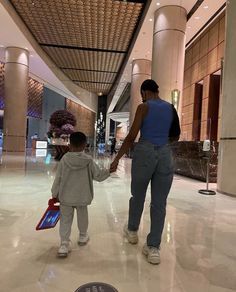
150, 19
100, 93
197, 17
206, 7
26, 48
158, 3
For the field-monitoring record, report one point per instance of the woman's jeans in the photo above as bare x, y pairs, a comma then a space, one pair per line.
150, 164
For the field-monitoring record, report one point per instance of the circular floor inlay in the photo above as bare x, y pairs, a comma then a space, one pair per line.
96, 287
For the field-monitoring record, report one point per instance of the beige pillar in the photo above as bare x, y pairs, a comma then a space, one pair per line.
108, 121
169, 49
227, 152
16, 99
141, 70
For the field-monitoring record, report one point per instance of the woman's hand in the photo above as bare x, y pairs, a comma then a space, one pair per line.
114, 165
129, 140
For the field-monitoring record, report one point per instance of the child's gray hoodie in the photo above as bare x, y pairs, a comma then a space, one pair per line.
73, 184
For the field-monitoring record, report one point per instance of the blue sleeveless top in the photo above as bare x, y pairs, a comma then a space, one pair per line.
156, 125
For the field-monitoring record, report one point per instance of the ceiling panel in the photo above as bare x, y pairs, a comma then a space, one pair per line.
90, 76
83, 34
96, 87
87, 60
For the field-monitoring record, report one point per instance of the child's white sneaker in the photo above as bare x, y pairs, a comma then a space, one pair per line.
83, 239
64, 249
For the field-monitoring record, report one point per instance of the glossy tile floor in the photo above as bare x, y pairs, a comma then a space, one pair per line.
198, 249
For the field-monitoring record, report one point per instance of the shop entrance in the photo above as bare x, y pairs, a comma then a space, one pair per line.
213, 105
197, 112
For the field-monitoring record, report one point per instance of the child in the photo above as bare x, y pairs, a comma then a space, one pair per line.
73, 186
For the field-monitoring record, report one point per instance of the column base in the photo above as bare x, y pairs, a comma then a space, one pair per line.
14, 144
226, 183
227, 194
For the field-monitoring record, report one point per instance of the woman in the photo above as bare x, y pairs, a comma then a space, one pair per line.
158, 123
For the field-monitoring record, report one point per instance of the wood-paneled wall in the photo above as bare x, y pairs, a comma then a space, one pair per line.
202, 59
84, 117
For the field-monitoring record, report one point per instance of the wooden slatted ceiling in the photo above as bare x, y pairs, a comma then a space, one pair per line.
83, 36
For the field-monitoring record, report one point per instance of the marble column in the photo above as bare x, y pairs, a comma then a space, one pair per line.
141, 70
16, 99
108, 121
169, 49
227, 149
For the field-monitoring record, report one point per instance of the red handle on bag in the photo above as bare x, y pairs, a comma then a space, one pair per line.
52, 202
50, 216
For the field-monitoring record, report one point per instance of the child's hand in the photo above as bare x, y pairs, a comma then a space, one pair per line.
52, 201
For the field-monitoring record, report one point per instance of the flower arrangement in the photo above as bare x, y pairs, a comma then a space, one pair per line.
67, 129
62, 124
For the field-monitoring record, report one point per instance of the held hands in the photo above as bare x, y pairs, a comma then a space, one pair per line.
114, 165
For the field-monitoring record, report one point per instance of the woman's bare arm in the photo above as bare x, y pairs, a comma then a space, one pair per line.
129, 140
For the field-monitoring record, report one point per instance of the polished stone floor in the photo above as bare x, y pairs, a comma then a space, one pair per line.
198, 250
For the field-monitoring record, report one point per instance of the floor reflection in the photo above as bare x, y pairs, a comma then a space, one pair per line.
198, 248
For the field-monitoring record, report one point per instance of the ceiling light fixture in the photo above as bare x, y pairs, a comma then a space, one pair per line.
197, 17
158, 3
150, 19
206, 7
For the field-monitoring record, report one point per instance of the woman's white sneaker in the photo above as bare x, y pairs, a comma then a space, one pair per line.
64, 249
83, 239
132, 236
152, 254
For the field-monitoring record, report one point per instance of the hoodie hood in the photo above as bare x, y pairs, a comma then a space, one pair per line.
76, 160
